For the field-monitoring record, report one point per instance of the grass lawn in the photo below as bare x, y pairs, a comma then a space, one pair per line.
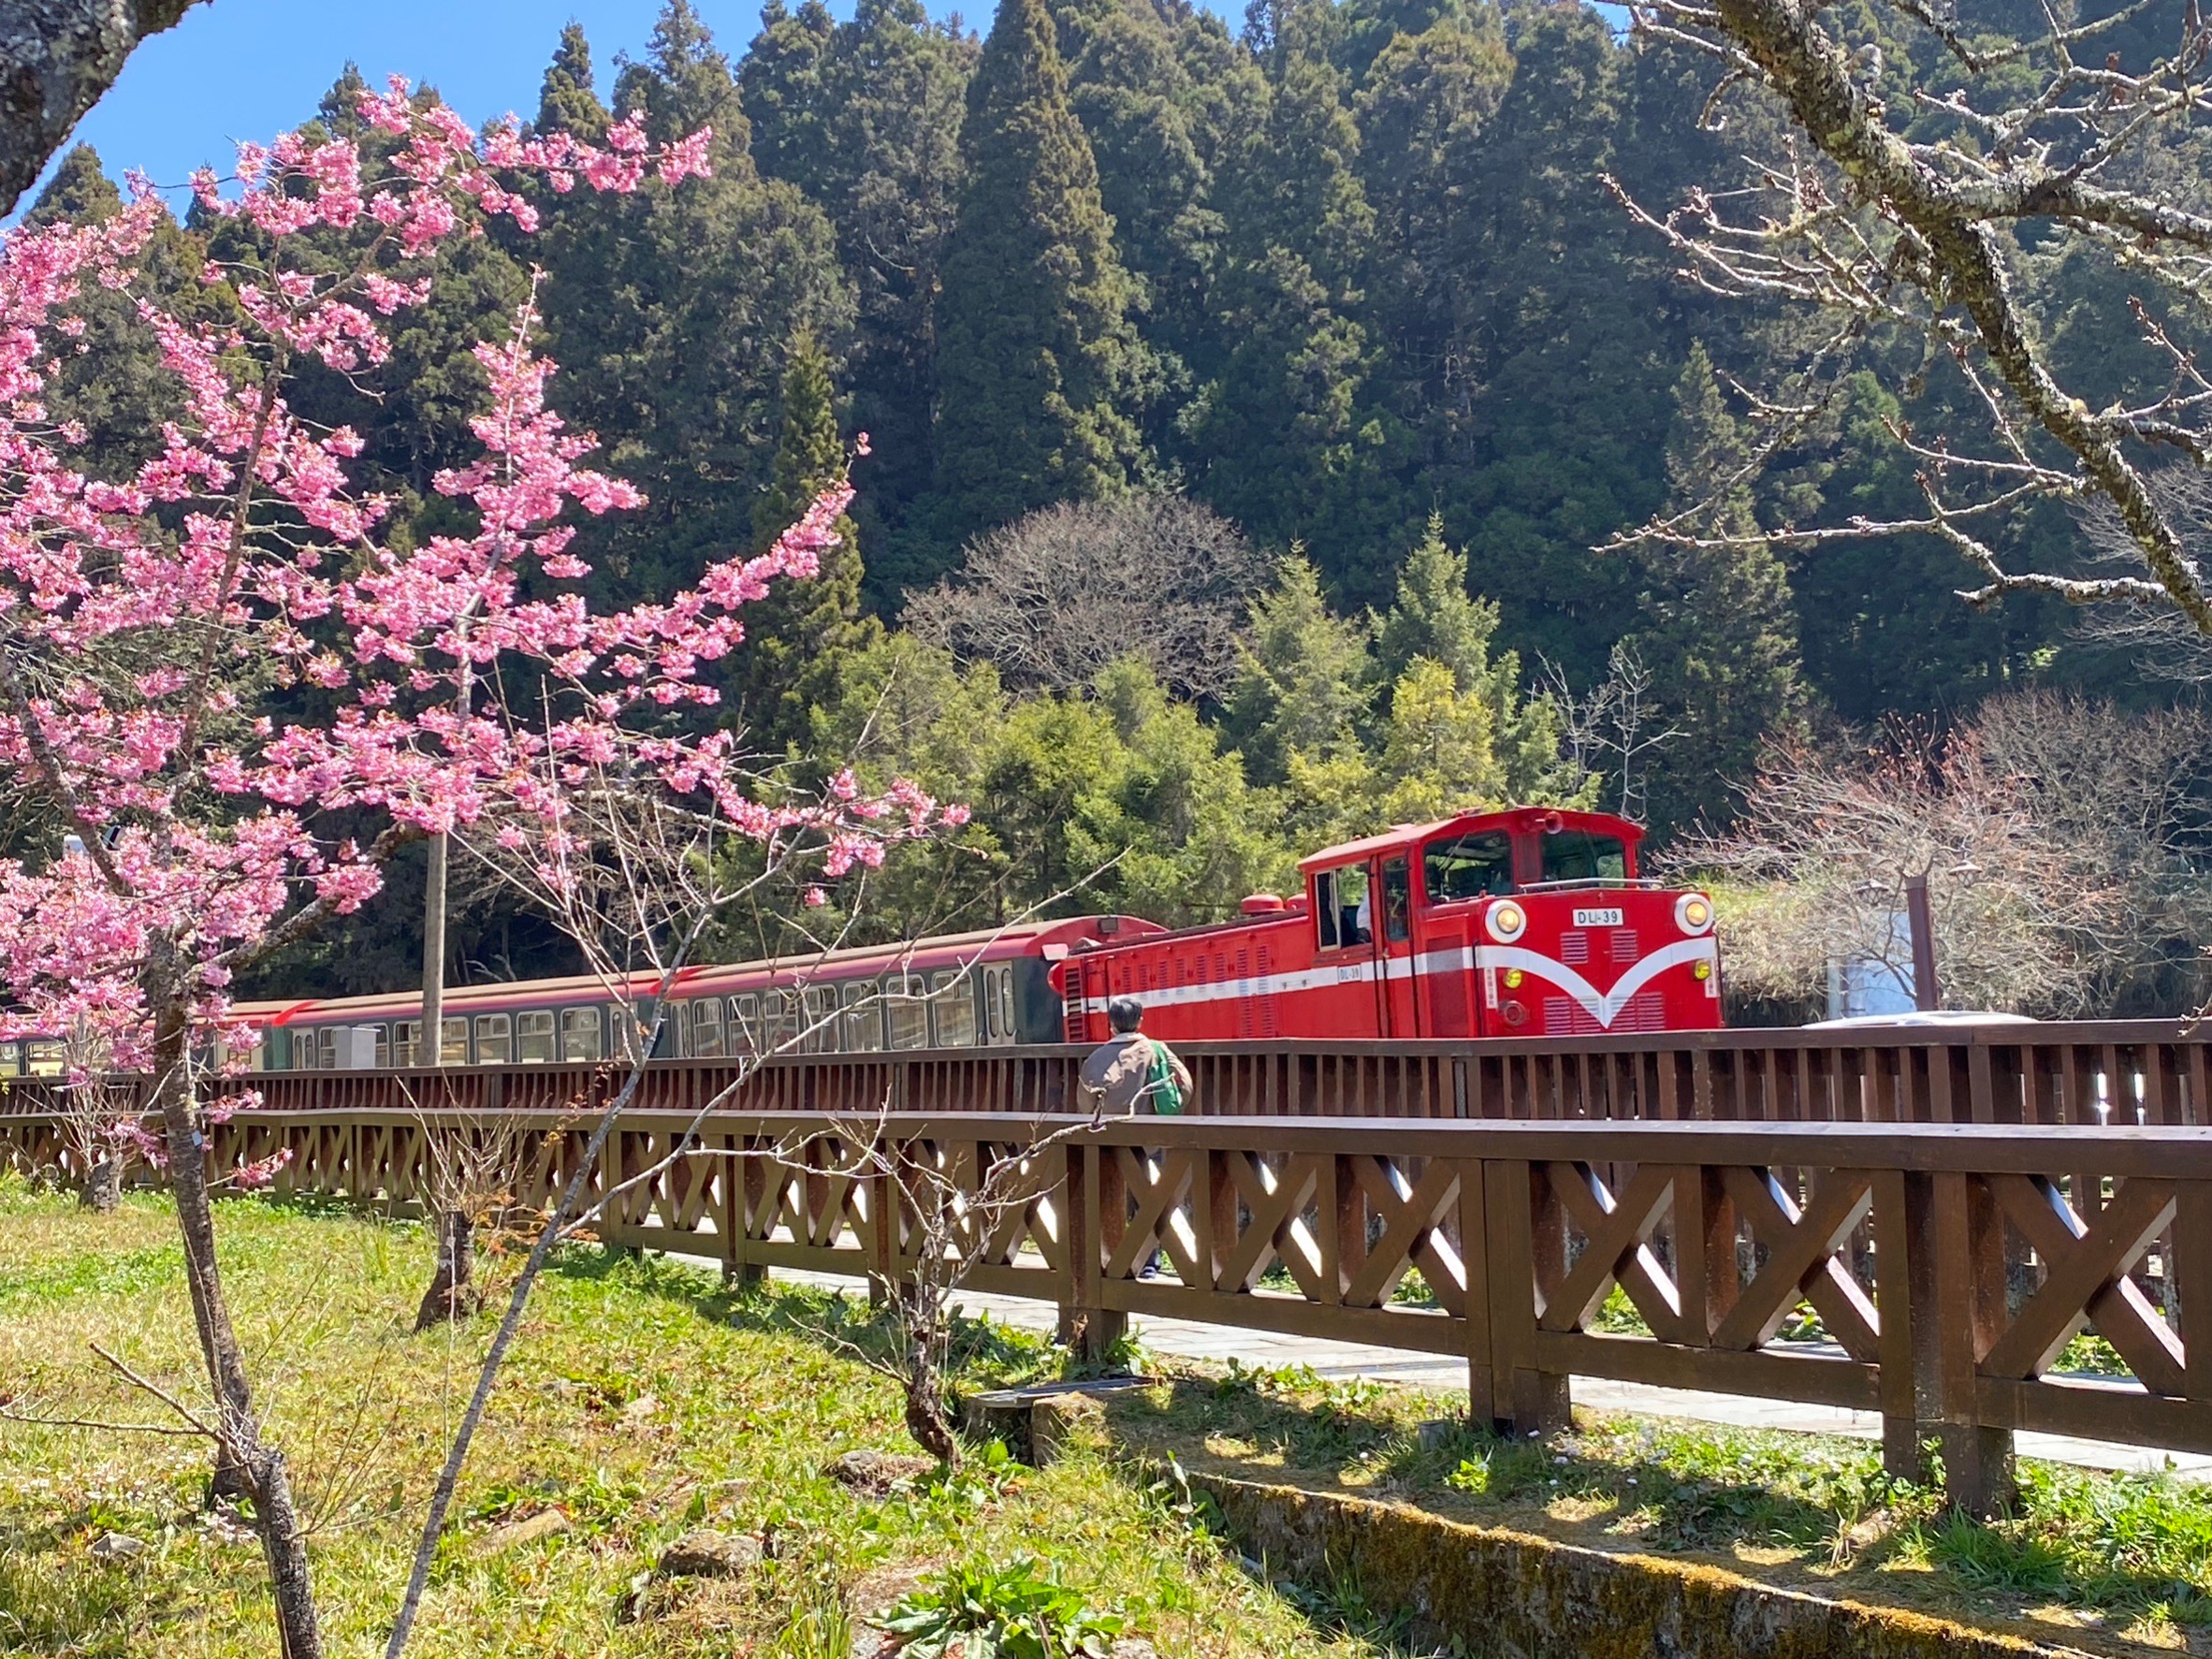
2113, 1563
642, 1400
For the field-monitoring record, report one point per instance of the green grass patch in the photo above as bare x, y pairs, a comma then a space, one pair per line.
2115, 1562
642, 1400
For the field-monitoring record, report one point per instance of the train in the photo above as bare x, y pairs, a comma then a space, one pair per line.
1521, 922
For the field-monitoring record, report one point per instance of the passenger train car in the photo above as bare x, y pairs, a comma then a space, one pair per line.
956, 991
1526, 922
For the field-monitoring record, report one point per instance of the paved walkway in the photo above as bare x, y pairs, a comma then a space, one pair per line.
1188, 1340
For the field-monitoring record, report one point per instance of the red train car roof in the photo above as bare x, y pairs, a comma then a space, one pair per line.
1526, 820
990, 944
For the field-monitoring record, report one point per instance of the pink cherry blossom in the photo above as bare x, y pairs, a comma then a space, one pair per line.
193, 832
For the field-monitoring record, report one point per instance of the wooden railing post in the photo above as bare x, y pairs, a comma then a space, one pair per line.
1086, 1326
1483, 1383
1955, 1260
1527, 1401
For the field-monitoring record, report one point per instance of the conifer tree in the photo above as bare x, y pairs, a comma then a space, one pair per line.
799, 639
1308, 676
780, 83
1719, 631
1437, 621
1039, 364
568, 99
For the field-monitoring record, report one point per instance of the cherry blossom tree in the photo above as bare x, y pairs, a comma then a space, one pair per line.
141, 618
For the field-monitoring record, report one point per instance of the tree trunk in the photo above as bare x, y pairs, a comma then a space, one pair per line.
56, 57
453, 1294
241, 1456
429, 1043
103, 1186
927, 1419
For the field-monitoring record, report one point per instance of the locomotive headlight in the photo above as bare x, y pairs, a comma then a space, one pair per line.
1693, 912
1513, 978
1506, 921
1701, 972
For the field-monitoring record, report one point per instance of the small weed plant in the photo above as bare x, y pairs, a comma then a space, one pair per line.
1013, 1611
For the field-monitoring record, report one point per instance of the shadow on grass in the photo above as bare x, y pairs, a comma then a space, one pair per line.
2135, 1546
985, 1352
55, 1599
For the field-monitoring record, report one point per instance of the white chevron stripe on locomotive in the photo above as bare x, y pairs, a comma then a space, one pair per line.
1603, 1006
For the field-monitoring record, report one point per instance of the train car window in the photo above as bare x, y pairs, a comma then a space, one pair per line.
779, 1021
384, 1046
745, 1025
533, 1037
326, 1049
951, 1009
1397, 901
452, 1042
1009, 1031
11, 1059
909, 1015
675, 1041
1576, 855
405, 1035
864, 1017
821, 1003
1467, 866
42, 1058
495, 1040
580, 1037
707, 1028
1341, 907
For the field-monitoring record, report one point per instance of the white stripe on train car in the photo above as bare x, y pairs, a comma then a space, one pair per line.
1602, 1005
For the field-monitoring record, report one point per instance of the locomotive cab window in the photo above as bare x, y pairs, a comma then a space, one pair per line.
1467, 866
1340, 907
1576, 855
1397, 901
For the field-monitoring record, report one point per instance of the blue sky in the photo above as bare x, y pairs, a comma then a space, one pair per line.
249, 68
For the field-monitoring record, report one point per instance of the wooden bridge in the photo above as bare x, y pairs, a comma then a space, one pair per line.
1951, 1206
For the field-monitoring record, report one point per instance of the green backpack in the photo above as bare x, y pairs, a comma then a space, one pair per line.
1160, 1087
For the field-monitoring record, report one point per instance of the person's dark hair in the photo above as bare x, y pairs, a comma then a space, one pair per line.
1125, 1015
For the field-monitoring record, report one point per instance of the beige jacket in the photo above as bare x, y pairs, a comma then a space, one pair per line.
1119, 1072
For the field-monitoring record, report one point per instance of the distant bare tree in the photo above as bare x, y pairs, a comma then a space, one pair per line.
1053, 598
2053, 833
2161, 642
1612, 730
1895, 203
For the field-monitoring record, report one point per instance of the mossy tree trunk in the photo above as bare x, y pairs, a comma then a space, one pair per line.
453, 1294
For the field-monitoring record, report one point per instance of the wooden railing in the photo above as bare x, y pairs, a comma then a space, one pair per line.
1951, 1210
2110, 1072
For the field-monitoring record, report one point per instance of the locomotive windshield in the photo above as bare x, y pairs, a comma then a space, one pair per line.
1468, 866
1576, 855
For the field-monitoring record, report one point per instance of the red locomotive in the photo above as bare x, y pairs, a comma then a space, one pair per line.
1526, 922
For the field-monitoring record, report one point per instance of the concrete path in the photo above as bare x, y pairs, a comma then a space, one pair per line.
1187, 1340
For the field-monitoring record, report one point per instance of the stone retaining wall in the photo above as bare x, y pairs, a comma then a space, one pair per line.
1513, 1595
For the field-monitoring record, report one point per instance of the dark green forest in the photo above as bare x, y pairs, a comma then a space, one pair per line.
1351, 278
